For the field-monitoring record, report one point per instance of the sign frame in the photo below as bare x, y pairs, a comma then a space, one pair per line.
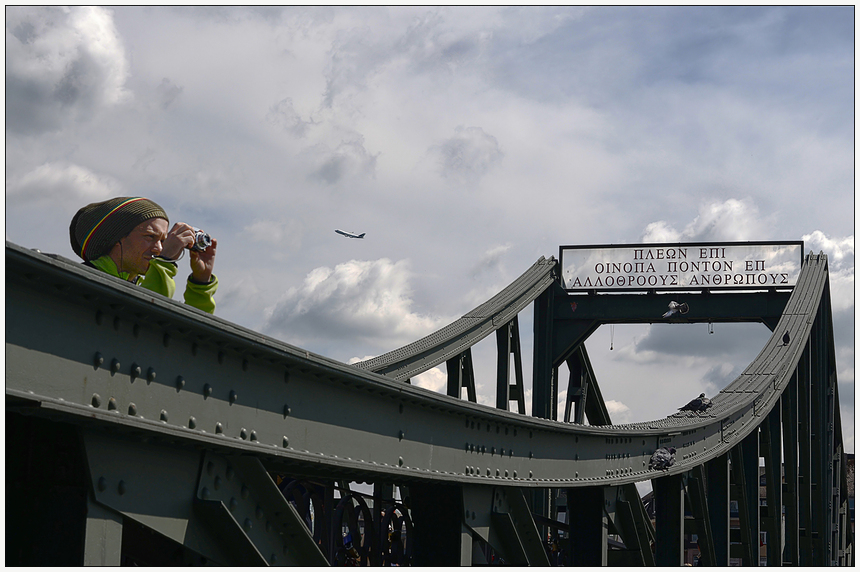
675, 245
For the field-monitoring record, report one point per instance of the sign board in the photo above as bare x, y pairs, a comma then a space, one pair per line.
690, 266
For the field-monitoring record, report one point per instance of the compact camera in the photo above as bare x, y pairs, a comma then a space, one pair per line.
201, 241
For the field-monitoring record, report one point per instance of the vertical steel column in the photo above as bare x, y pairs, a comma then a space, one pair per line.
699, 508
103, 537
543, 370
382, 493
507, 343
577, 390
788, 402
772, 519
744, 458
717, 471
804, 464
589, 528
669, 511
461, 374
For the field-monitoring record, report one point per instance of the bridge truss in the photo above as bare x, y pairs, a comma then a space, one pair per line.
142, 431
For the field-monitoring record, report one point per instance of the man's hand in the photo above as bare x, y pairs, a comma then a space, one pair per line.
180, 236
203, 262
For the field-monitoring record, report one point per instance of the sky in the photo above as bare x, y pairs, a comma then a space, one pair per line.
466, 142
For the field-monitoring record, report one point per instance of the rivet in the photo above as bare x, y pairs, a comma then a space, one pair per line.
229, 473
269, 529
400, 461
192, 422
286, 442
401, 408
493, 451
180, 382
114, 366
97, 400
135, 371
233, 503
246, 492
287, 376
402, 434
164, 415
233, 396
207, 390
218, 428
102, 483
531, 455
120, 488
253, 435
132, 409
98, 360
497, 472
243, 433
488, 471
204, 493
506, 473
217, 482
287, 410
111, 404
467, 513
530, 474
259, 513
116, 323
166, 340
472, 447
244, 365
150, 375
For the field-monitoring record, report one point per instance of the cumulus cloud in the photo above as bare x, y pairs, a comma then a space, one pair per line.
365, 300
733, 219
433, 379
61, 64
468, 155
61, 182
491, 260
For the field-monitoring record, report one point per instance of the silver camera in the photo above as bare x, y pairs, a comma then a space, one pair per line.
201, 241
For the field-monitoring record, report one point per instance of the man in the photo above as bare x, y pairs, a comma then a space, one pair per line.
127, 237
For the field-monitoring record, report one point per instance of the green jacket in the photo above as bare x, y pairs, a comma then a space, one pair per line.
159, 278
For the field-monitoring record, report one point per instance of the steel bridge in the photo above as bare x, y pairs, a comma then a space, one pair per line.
142, 431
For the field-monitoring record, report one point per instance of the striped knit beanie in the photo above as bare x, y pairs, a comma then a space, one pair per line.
98, 226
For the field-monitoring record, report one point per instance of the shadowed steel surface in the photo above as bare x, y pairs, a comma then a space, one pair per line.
87, 349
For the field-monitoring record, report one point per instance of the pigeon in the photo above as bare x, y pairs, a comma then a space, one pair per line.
699, 404
785, 339
662, 459
675, 307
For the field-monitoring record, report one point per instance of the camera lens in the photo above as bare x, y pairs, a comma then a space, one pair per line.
201, 241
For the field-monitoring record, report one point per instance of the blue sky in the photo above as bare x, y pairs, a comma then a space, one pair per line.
465, 141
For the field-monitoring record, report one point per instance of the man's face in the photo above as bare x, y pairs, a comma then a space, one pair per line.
141, 244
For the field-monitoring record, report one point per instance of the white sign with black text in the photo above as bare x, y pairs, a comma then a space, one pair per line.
681, 266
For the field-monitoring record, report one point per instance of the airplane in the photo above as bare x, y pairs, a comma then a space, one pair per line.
349, 234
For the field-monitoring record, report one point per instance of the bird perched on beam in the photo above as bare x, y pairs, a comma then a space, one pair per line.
662, 459
701, 403
785, 338
675, 307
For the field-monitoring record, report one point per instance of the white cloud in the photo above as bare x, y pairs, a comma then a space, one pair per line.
62, 183
433, 379
369, 301
733, 219
61, 63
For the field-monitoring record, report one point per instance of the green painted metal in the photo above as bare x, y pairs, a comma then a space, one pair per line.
87, 349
